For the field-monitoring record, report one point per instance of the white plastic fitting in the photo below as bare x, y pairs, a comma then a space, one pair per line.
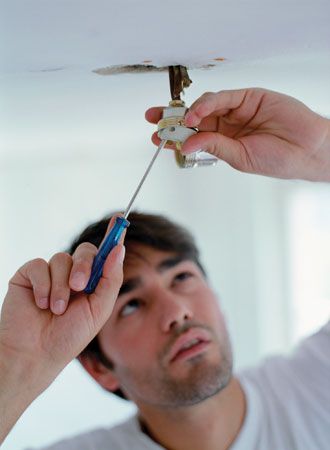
172, 128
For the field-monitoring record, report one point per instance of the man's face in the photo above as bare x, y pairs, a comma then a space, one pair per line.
166, 337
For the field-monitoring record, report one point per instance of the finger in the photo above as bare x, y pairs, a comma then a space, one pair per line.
82, 266
111, 225
60, 267
36, 274
83, 259
103, 298
155, 140
154, 114
229, 150
210, 102
209, 123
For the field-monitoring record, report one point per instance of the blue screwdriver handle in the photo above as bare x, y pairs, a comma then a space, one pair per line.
109, 243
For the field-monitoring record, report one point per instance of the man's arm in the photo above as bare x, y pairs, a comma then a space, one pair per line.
259, 131
39, 336
16, 391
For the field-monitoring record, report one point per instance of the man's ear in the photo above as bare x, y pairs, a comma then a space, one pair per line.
103, 375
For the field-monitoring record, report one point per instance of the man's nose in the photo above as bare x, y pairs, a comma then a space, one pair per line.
174, 311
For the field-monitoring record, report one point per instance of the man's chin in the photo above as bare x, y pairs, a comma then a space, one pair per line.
184, 368
197, 384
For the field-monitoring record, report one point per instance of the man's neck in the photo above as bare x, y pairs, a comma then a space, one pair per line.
211, 425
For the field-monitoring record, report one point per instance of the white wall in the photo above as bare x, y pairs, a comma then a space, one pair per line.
74, 146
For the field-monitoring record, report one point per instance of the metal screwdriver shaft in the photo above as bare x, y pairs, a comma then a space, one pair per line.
113, 238
129, 207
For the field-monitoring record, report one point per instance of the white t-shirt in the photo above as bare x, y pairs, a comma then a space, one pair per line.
288, 407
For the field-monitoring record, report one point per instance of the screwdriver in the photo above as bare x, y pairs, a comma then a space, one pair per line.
116, 232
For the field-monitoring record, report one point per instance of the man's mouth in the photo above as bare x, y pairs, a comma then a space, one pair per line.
190, 344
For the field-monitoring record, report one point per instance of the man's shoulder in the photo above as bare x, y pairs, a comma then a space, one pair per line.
301, 377
287, 397
113, 438
312, 353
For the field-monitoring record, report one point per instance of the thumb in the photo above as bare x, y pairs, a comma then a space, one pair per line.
102, 300
229, 150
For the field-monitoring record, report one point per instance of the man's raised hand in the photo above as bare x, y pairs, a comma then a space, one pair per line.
259, 131
47, 320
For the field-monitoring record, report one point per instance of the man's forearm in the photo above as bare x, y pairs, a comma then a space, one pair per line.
17, 392
324, 172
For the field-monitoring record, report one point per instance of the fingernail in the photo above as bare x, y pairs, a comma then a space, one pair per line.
43, 303
59, 307
186, 120
78, 281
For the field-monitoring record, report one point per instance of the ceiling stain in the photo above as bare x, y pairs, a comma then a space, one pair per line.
49, 69
135, 68
138, 68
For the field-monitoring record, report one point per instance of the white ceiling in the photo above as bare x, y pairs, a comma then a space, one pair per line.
43, 35
52, 103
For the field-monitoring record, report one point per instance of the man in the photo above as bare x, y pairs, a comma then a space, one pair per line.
165, 345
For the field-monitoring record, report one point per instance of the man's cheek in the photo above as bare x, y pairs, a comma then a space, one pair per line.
129, 353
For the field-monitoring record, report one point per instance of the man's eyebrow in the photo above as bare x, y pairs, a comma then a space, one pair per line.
170, 262
129, 285
166, 264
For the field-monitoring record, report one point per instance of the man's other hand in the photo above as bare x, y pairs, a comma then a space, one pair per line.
258, 131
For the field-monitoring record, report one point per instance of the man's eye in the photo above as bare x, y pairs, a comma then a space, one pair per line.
130, 307
183, 276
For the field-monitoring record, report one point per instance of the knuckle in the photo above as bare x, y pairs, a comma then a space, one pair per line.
224, 91
13, 280
257, 89
85, 247
207, 95
37, 263
61, 257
